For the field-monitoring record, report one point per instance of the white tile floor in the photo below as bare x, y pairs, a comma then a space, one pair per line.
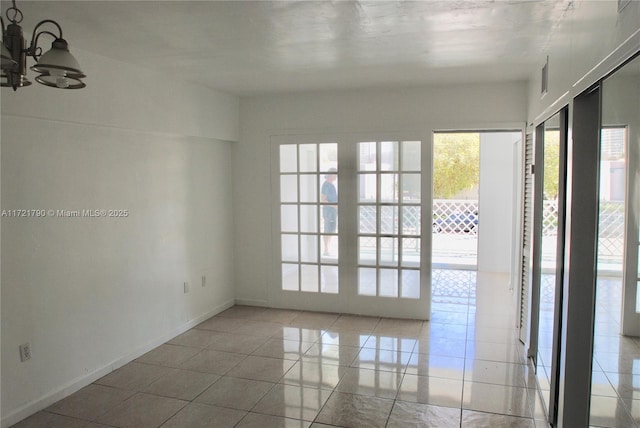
615, 386
615, 394
261, 367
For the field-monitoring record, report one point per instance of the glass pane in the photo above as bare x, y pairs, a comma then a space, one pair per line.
389, 282
309, 248
289, 277
309, 218
328, 157
367, 250
330, 249
329, 188
288, 188
411, 188
367, 281
367, 157
411, 252
308, 158
309, 199
329, 279
410, 284
549, 241
389, 188
411, 221
389, 251
329, 219
308, 188
289, 218
288, 159
367, 216
411, 155
619, 176
367, 190
389, 220
389, 156
289, 248
309, 278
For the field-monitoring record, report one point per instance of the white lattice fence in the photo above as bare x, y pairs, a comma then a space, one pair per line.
455, 216
389, 222
550, 218
610, 228
461, 217
611, 231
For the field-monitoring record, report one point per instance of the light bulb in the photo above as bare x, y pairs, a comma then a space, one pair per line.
62, 82
61, 78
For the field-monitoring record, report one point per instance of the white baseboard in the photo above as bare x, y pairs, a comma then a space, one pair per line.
78, 383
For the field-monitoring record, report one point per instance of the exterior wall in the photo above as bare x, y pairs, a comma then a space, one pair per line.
91, 294
497, 178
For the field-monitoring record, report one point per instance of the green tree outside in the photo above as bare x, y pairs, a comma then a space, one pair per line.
551, 164
456, 163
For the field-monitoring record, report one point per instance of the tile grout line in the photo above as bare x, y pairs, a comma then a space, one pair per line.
402, 374
466, 344
315, 419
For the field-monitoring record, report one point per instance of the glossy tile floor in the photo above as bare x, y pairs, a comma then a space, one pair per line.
258, 367
615, 385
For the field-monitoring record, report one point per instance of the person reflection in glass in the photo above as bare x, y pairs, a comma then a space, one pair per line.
329, 195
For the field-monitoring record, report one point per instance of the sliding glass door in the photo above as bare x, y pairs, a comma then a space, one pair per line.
548, 250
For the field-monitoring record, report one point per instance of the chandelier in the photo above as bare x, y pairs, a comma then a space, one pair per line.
56, 67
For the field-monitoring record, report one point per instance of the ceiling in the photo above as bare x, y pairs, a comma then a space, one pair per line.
248, 48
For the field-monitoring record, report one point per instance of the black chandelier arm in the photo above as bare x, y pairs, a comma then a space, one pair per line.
36, 35
3, 27
34, 50
16, 14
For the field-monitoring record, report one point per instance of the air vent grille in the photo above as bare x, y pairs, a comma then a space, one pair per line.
544, 87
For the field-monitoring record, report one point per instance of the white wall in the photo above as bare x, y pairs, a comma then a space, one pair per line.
496, 201
591, 37
124, 96
90, 294
421, 110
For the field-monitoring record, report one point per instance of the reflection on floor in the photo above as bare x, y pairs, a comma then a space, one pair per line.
262, 367
615, 386
545, 335
615, 395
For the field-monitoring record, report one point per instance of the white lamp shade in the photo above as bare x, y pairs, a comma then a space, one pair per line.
58, 61
59, 81
7, 62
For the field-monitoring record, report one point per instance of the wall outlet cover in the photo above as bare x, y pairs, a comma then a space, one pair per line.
25, 352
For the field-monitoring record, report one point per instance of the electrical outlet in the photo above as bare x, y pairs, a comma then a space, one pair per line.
204, 280
186, 287
25, 352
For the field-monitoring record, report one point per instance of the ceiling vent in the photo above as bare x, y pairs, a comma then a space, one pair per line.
544, 86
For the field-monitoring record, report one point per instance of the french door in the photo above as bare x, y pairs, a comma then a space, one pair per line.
347, 219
